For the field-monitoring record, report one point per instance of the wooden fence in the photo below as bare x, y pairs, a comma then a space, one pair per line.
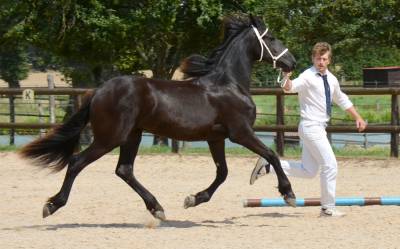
280, 128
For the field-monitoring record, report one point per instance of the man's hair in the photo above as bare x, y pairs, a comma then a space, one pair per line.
321, 48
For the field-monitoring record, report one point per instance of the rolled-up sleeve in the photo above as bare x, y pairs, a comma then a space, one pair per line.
298, 84
341, 99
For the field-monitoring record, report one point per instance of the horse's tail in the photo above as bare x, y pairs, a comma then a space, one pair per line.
56, 148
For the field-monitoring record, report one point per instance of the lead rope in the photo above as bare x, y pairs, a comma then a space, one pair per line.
282, 82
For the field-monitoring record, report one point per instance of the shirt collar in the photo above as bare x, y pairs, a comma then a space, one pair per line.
317, 73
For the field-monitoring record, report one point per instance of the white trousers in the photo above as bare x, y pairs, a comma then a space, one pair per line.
317, 154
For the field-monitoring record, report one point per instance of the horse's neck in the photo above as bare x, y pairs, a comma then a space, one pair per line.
237, 65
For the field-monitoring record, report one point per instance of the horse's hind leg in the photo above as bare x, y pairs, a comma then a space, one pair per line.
217, 149
124, 170
76, 165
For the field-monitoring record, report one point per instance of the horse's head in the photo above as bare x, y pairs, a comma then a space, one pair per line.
272, 49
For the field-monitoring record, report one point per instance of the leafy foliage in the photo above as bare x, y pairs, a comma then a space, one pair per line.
362, 33
13, 65
93, 40
97, 37
13, 54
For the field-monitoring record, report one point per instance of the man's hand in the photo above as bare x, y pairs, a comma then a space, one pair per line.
287, 83
287, 74
361, 124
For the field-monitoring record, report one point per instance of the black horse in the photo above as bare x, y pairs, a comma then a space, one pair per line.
212, 105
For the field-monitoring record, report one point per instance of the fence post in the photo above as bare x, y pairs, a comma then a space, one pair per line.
394, 136
12, 118
280, 120
174, 146
50, 82
41, 119
365, 144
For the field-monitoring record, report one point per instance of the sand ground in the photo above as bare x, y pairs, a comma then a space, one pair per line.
103, 212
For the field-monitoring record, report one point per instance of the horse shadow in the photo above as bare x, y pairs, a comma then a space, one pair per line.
62, 226
180, 224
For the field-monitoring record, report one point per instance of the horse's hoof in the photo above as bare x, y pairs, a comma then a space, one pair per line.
48, 209
190, 201
291, 201
160, 215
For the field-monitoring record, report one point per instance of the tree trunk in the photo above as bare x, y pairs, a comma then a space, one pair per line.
82, 76
12, 119
12, 84
158, 140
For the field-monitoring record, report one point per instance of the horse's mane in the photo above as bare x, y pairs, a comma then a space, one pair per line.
197, 65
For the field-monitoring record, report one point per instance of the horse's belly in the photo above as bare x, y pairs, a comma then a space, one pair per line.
191, 128
180, 131
188, 116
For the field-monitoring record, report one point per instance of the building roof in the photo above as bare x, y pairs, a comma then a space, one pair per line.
384, 68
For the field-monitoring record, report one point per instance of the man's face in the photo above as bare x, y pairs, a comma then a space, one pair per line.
321, 62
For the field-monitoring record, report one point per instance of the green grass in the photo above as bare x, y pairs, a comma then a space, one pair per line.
346, 152
239, 151
32, 109
295, 152
375, 109
371, 152
8, 148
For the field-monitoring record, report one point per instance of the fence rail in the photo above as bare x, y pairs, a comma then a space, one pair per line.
46, 91
392, 128
280, 128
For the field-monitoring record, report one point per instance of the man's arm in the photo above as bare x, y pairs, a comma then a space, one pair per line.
360, 123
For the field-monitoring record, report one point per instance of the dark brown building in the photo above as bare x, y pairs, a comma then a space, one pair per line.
381, 76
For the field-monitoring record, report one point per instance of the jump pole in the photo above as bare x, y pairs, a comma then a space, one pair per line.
340, 201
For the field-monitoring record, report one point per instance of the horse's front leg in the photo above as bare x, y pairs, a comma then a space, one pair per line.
248, 139
217, 149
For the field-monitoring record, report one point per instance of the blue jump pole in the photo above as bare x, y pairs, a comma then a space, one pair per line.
340, 201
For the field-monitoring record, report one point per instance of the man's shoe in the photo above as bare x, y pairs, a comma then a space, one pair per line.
331, 212
262, 168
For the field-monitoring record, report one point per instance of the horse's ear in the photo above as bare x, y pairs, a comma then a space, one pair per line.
256, 21
253, 20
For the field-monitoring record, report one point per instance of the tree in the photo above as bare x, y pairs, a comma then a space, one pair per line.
103, 36
13, 68
96, 39
362, 32
13, 56
175, 29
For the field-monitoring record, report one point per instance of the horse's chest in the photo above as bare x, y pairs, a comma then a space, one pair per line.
242, 106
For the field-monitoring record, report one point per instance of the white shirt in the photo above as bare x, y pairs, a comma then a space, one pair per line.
311, 93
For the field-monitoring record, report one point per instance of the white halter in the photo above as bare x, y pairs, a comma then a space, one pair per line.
283, 81
263, 44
